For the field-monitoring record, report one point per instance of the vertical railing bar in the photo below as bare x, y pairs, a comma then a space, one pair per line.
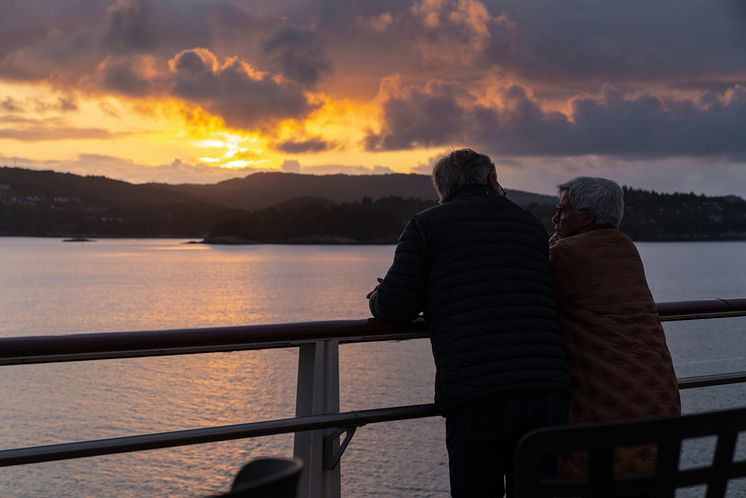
317, 393
667, 468
331, 477
600, 471
310, 363
721, 464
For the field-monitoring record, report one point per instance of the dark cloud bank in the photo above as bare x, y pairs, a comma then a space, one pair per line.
253, 63
612, 124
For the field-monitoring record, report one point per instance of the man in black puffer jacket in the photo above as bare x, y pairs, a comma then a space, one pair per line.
477, 265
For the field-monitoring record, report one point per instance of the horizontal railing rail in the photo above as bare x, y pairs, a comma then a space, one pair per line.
66, 451
317, 401
108, 345
358, 418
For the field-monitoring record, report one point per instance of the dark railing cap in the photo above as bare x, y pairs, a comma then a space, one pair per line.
41, 349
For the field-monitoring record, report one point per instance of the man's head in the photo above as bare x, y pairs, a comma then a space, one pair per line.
460, 169
586, 201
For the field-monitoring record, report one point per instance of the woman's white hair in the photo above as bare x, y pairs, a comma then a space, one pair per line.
602, 197
459, 169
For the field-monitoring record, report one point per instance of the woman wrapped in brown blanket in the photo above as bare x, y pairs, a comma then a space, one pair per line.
620, 365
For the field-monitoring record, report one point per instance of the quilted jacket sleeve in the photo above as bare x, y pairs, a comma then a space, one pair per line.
402, 295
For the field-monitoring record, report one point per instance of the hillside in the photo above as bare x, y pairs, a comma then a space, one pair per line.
291, 208
654, 216
261, 190
47, 203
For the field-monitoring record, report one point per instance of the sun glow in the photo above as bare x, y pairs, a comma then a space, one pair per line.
163, 132
232, 150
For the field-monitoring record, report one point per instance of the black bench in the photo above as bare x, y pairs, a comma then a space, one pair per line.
598, 441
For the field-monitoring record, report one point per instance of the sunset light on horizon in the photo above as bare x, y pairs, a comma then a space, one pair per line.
651, 94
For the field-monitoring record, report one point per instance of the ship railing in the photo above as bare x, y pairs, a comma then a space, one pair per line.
318, 425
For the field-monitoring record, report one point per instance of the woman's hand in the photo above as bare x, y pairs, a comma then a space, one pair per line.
554, 239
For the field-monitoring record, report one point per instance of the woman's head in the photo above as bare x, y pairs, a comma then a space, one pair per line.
586, 201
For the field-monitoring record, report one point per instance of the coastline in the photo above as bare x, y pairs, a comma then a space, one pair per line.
316, 240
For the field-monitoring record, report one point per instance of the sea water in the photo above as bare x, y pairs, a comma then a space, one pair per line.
50, 287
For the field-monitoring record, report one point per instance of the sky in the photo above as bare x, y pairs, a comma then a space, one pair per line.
650, 93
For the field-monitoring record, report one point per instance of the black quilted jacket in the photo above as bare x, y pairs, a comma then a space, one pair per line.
478, 267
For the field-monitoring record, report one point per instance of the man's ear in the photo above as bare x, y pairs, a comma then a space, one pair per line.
589, 217
492, 180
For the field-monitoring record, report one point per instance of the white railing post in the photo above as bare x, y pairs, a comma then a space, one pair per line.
317, 393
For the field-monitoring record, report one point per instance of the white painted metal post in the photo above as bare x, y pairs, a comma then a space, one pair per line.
317, 393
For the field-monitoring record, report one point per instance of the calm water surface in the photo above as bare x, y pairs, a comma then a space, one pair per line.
47, 287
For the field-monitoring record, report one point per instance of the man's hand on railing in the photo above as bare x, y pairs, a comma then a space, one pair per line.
375, 289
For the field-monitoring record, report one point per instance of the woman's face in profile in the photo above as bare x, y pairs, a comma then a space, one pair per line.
567, 220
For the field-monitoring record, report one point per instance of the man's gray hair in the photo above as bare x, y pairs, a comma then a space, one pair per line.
602, 197
459, 169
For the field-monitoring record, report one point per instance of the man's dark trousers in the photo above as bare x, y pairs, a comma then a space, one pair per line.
481, 440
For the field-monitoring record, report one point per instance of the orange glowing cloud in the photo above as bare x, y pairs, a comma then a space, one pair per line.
224, 86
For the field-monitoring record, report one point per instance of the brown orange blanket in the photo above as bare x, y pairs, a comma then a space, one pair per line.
620, 366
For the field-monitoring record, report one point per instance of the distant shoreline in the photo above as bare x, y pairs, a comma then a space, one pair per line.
314, 240
291, 209
320, 241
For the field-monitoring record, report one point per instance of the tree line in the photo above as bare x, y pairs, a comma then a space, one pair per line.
45, 203
649, 216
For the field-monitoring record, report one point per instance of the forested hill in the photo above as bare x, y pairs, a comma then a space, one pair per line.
262, 190
46, 203
654, 216
303, 209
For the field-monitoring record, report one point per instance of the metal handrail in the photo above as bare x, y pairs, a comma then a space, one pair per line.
66, 451
44, 349
110, 446
107, 345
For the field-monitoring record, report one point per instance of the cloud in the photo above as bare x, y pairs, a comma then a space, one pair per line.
335, 169
414, 118
123, 169
298, 54
109, 109
66, 104
294, 166
583, 44
42, 40
613, 123
129, 26
234, 90
163, 27
525, 81
635, 40
179, 172
50, 129
453, 31
9, 104
55, 134
381, 22
290, 166
62, 104
304, 146
134, 76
